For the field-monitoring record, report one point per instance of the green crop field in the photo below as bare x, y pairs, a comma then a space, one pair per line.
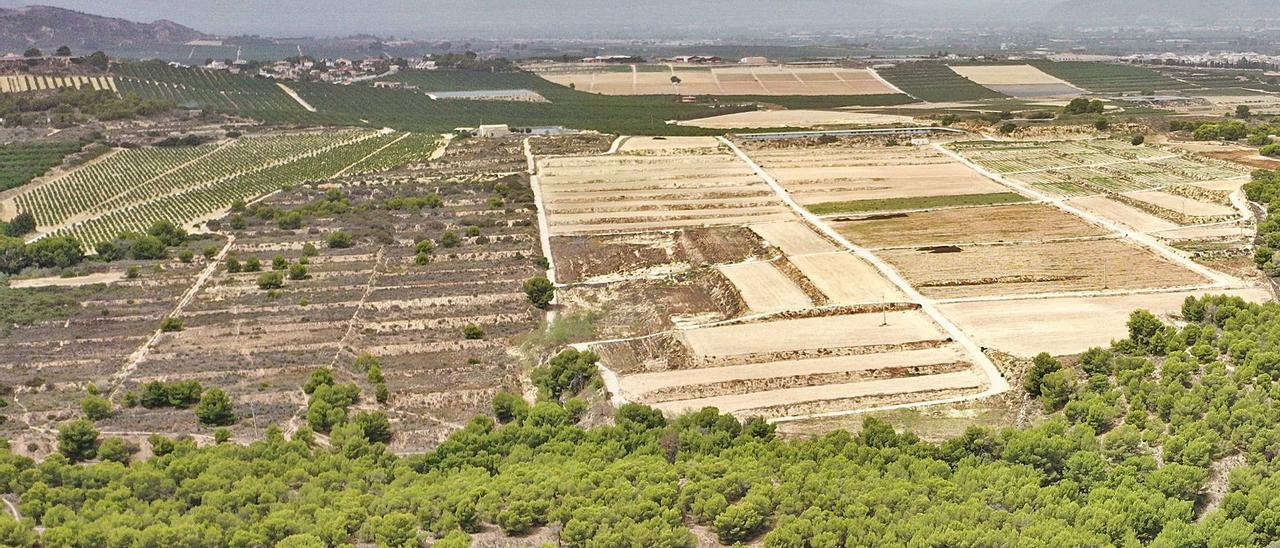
208, 89
1109, 77
136, 187
21, 162
935, 82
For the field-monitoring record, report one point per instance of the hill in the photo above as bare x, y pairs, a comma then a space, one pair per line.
48, 27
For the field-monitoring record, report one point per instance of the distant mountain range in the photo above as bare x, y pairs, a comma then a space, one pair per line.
49, 27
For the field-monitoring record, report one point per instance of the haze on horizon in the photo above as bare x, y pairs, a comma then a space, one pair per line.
582, 18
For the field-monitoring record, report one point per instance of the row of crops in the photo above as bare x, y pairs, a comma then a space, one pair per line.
22, 161
935, 82
208, 89
1109, 77
135, 187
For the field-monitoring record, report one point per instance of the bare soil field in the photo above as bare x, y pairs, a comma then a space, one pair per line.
793, 238
1064, 326
1125, 215
1004, 223
1181, 204
1074, 265
727, 81
764, 288
845, 279
612, 257
762, 119
625, 193
831, 174
667, 144
59, 281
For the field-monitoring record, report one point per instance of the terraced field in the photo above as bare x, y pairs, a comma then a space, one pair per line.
372, 298
133, 188
742, 306
22, 161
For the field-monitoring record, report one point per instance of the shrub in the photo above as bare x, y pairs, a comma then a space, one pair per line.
449, 239
279, 262
565, 374
539, 291
339, 240
270, 280
289, 221
1138, 139
215, 408
116, 450
171, 324
186, 255
233, 265
472, 331
78, 440
374, 425
309, 250
221, 435
298, 272
96, 408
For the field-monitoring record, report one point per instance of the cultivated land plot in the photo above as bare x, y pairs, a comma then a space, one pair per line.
764, 288
727, 81
1074, 265
629, 193
1005, 223
1017, 80
816, 175
1067, 325
649, 254
1188, 206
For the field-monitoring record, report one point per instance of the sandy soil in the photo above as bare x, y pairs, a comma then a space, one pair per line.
764, 288
1038, 268
796, 118
1226, 184
808, 333
793, 238
728, 81
846, 279
1005, 223
744, 404
1064, 325
1180, 204
58, 281
1133, 218
838, 174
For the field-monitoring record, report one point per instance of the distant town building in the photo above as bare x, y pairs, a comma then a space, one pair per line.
753, 61
619, 59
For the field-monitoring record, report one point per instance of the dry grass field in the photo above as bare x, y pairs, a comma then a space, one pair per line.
726, 81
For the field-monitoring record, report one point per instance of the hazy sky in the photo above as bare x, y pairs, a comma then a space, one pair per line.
420, 18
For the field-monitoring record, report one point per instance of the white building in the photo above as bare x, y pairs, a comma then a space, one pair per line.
493, 131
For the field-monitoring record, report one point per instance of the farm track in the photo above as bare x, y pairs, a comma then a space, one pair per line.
131, 363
